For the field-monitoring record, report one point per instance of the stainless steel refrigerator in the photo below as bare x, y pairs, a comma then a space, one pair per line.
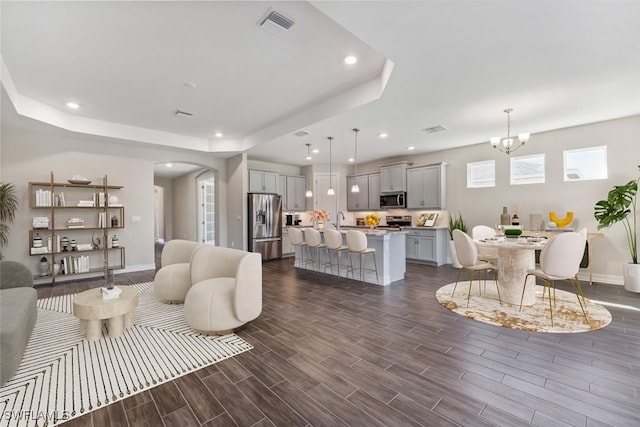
265, 225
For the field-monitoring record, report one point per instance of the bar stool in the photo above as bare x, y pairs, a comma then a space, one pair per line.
313, 239
333, 240
357, 243
297, 240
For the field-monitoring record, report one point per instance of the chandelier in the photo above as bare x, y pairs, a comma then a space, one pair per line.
355, 188
506, 145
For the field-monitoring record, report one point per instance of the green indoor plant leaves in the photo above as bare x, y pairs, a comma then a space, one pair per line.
620, 206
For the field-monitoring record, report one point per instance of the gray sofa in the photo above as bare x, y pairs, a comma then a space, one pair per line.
18, 313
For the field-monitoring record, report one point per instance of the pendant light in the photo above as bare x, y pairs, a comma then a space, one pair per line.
308, 193
330, 191
355, 188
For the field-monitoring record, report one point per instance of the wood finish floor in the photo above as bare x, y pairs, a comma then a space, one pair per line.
343, 353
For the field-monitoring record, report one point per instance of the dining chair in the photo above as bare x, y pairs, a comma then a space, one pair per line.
485, 232
467, 254
560, 260
333, 240
296, 238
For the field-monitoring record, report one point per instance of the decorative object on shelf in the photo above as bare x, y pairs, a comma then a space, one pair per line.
372, 220
37, 241
56, 269
79, 180
114, 221
330, 191
561, 222
309, 193
113, 200
73, 245
505, 218
621, 203
64, 242
115, 242
95, 241
355, 188
506, 144
44, 266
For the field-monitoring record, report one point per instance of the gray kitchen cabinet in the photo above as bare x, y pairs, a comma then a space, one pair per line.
263, 181
428, 246
426, 187
287, 247
374, 191
296, 187
358, 201
393, 178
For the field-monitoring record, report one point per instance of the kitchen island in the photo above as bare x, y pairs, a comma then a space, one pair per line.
390, 255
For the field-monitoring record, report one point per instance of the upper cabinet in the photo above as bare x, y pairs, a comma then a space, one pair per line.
393, 178
426, 187
263, 181
374, 191
360, 200
295, 195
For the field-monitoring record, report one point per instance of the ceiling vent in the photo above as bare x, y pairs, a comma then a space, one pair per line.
301, 133
434, 129
180, 113
276, 23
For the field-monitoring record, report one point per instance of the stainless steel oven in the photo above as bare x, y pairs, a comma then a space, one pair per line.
393, 200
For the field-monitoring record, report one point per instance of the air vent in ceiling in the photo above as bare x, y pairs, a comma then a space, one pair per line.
275, 22
434, 129
180, 113
301, 133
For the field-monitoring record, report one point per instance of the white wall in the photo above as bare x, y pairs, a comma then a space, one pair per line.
30, 151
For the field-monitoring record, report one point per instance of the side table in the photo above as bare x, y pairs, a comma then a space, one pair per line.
92, 310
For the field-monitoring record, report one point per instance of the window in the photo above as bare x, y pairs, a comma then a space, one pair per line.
527, 169
481, 174
585, 164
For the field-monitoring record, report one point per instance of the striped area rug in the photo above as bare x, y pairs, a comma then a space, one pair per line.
63, 376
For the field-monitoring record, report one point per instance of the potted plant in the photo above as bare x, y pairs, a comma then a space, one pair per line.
8, 208
620, 206
455, 224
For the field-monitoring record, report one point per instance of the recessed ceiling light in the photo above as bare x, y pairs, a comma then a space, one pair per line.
73, 105
308, 158
411, 147
169, 165
315, 151
350, 60
351, 159
383, 135
219, 135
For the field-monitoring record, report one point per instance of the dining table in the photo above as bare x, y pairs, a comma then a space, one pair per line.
515, 257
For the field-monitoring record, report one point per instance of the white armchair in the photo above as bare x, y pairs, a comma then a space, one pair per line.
172, 281
226, 291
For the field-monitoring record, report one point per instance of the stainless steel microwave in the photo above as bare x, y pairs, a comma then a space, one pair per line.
393, 200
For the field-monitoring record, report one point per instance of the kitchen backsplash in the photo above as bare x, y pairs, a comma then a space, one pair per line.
350, 217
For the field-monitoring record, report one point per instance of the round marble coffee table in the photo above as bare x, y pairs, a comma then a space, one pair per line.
92, 310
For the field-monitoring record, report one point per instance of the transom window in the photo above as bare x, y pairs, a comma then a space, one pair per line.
527, 169
481, 174
585, 164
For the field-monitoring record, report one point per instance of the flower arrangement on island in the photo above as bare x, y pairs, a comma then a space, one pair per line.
372, 220
319, 215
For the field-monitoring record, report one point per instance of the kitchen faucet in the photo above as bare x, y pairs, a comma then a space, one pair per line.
340, 214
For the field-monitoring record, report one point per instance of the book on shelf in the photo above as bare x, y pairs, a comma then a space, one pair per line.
40, 250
